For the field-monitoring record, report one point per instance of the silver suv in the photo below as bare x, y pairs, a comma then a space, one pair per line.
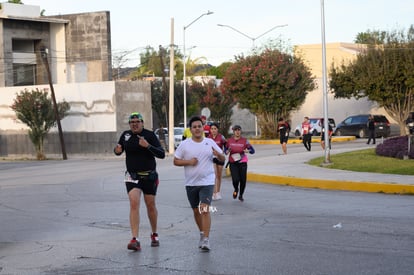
316, 126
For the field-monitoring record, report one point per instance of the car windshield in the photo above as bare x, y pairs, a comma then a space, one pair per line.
380, 119
178, 131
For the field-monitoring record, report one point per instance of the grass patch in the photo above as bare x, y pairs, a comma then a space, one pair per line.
367, 161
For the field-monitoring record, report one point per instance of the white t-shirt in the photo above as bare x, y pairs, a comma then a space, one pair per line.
203, 172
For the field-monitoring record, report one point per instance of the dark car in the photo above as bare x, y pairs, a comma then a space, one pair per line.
357, 125
410, 123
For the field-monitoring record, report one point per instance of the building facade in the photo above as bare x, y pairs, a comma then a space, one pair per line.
78, 46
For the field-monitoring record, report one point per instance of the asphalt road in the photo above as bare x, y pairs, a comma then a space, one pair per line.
71, 217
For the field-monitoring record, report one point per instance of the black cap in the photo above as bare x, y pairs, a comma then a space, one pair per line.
236, 127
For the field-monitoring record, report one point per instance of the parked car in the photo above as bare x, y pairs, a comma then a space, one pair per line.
410, 122
357, 125
316, 126
178, 135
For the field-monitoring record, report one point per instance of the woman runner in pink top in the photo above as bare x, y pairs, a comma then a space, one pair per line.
218, 165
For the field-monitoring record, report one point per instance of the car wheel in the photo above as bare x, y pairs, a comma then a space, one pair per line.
338, 133
297, 133
361, 133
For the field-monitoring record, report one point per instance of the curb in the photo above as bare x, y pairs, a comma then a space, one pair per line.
371, 187
297, 140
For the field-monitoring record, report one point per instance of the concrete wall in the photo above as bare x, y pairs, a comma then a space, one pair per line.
10, 9
88, 46
98, 115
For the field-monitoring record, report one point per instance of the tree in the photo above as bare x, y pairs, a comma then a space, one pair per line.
220, 70
271, 84
382, 73
219, 102
374, 37
35, 109
119, 60
151, 63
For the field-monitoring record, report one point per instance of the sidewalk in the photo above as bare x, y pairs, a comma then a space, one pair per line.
292, 170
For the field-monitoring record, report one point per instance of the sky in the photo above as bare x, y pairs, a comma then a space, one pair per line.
136, 24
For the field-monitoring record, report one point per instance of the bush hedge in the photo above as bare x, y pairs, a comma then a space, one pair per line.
396, 147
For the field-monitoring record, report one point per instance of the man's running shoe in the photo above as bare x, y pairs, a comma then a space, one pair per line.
241, 198
205, 246
134, 245
218, 196
234, 194
154, 240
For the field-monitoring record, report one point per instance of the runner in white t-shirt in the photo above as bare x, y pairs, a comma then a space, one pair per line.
196, 155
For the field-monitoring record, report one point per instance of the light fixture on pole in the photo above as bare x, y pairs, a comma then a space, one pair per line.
184, 67
253, 39
248, 36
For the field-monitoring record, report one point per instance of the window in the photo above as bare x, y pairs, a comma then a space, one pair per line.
24, 74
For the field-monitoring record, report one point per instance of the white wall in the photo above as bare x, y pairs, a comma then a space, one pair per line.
92, 106
58, 53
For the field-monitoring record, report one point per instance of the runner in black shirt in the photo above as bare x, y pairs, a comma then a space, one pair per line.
283, 128
141, 146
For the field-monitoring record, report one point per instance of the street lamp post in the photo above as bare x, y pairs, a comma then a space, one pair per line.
327, 156
184, 67
253, 39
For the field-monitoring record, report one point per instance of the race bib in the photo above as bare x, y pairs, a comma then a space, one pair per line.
236, 157
128, 178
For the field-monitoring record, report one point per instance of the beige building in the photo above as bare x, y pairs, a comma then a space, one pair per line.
338, 109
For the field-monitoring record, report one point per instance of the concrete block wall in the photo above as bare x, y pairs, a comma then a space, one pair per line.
98, 143
88, 45
93, 126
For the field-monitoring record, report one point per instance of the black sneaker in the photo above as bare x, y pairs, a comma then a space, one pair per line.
241, 198
154, 240
234, 194
134, 245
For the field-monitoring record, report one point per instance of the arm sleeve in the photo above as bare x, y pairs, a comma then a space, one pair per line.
250, 148
155, 147
158, 152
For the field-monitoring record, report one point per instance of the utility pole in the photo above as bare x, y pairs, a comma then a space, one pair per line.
171, 95
43, 53
164, 85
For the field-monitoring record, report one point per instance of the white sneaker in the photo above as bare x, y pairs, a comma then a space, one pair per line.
218, 196
205, 246
215, 197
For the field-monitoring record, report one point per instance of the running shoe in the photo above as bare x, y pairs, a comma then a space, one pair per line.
214, 196
205, 246
134, 245
241, 198
218, 196
154, 240
234, 194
